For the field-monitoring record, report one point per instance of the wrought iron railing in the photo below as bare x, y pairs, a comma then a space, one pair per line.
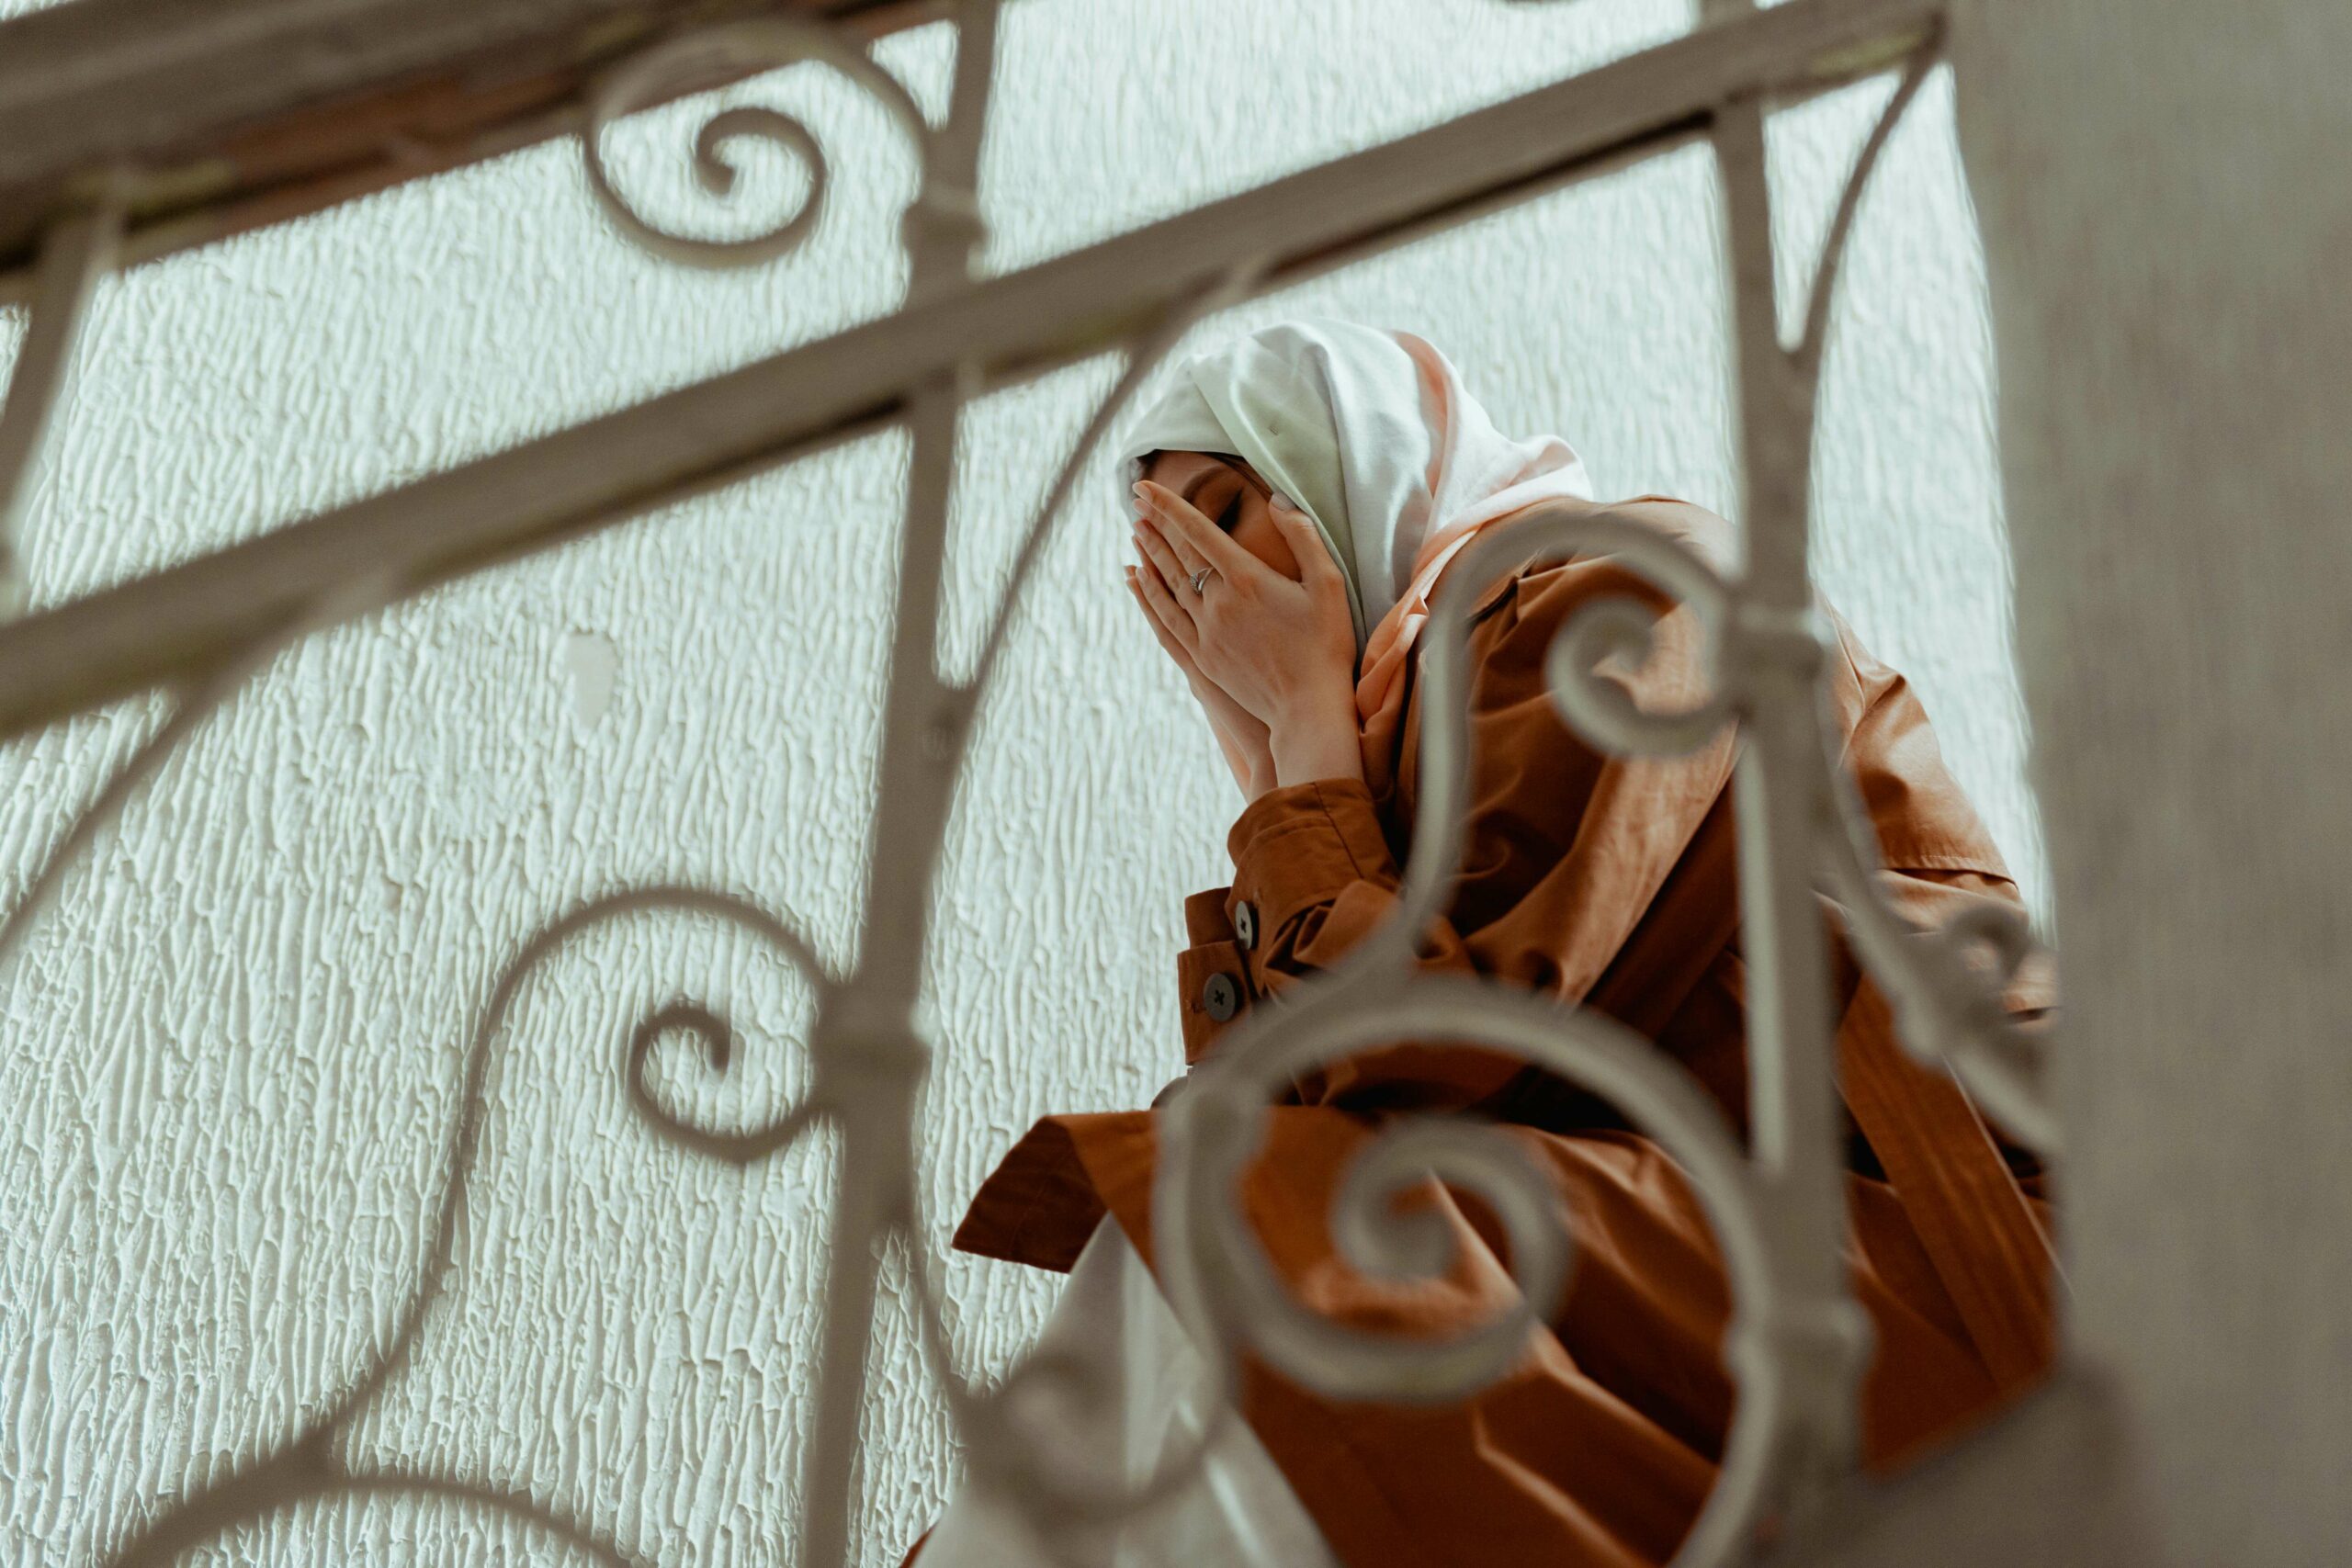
202, 629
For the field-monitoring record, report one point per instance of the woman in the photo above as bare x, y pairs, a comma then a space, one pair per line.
1298, 496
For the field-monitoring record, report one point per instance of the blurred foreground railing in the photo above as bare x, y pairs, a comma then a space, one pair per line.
200, 629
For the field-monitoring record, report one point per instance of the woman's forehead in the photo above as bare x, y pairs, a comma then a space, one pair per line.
1177, 469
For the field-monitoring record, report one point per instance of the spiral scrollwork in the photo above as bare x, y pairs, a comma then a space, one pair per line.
1945, 985
1226, 1292
1215, 1273
1613, 627
1622, 629
721, 53
709, 1029
466, 1132
1370, 998
1787, 1342
1381, 1243
307, 1466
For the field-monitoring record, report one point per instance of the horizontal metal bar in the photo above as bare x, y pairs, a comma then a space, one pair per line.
232, 115
1006, 329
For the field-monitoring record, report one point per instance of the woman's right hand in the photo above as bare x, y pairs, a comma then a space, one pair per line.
1241, 737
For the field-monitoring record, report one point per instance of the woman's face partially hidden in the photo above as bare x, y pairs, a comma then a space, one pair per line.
1230, 493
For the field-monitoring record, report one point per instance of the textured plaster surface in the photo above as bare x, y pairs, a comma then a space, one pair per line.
2181, 466
228, 1054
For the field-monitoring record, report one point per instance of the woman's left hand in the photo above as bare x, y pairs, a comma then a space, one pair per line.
1284, 650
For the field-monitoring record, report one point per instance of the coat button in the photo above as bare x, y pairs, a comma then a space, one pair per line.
1221, 997
1245, 925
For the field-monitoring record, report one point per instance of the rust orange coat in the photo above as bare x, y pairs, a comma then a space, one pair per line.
1607, 882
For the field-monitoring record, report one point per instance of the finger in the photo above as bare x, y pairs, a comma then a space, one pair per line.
1162, 554
1180, 519
1306, 543
1174, 649
1187, 560
1161, 593
1159, 599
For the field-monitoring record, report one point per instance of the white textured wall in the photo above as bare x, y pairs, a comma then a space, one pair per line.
229, 1055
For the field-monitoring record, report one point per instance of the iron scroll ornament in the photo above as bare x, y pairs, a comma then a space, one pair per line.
869, 1064
721, 53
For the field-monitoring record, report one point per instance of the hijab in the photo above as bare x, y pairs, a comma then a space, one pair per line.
1372, 434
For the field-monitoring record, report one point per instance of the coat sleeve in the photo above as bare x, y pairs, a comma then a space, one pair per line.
1936, 856
1564, 848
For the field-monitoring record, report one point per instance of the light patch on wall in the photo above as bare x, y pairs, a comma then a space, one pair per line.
592, 664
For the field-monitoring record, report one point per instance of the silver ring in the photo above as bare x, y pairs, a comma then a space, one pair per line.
1200, 578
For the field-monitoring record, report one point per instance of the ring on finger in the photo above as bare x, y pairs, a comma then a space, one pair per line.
1201, 578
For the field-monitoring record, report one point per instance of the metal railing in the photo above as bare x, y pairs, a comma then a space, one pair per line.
1797, 1341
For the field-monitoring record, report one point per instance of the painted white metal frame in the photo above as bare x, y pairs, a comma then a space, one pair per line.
75, 251
1798, 1341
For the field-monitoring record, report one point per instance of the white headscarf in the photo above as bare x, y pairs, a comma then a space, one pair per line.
1370, 430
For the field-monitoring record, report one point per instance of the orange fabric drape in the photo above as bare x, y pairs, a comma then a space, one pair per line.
1610, 882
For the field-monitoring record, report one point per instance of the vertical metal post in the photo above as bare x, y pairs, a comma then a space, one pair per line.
78, 247
1818, 1335
872, 1061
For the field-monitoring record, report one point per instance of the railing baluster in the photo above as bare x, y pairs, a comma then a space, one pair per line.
1819, 1334
78, 249
1777, 1208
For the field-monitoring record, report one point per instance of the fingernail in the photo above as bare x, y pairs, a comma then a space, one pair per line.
1141, 493
1281, 501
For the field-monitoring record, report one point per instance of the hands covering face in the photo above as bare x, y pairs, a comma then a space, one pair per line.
1268, 654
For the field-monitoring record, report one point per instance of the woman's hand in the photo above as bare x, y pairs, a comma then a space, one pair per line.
1238, 734
1282, 649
